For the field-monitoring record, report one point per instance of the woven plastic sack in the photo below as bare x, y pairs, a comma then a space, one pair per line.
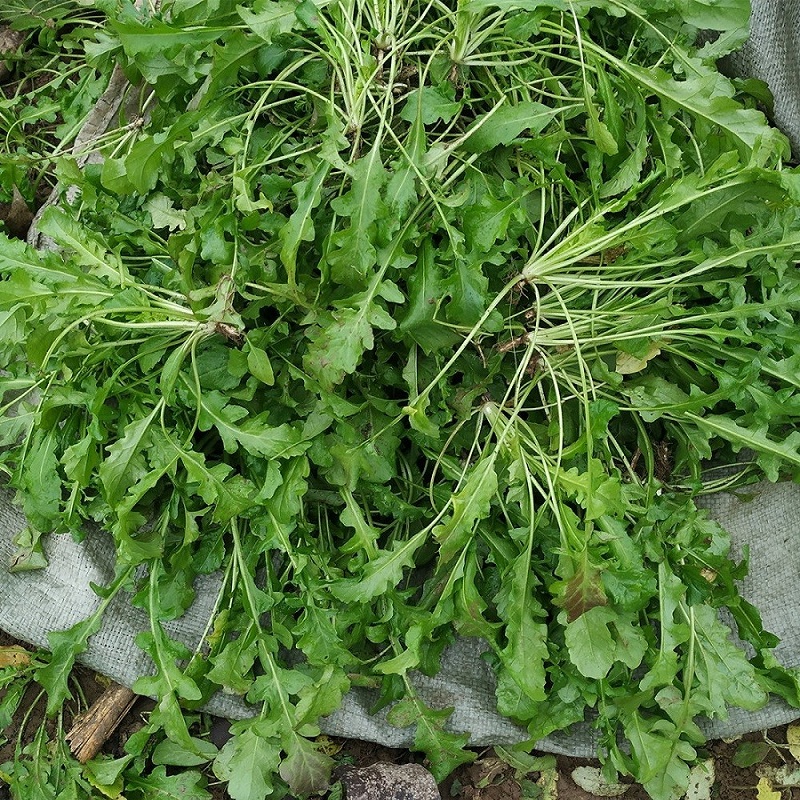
772, 54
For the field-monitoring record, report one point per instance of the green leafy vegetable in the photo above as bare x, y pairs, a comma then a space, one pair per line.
412, 320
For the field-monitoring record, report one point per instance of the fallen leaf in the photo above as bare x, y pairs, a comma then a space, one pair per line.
765, 790
779, 776
591, 780
524, 763
750, 753
328, 746
701, 781
14, 656
793, 740
491, 769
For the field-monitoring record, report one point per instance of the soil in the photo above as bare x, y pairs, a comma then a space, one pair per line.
488, 778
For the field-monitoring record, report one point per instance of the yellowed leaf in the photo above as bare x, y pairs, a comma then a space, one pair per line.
591, 780
765, 790
14, 656
793, 740
779, 776
628, 364
327, 745
548, 781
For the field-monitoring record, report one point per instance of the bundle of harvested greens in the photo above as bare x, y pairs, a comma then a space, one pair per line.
417, 319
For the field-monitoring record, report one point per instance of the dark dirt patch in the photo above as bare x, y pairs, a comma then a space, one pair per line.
488, 778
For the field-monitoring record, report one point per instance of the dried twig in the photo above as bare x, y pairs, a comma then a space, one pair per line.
92, 729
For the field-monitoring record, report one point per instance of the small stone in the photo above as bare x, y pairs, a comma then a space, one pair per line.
16, 215
386, 781
10, 40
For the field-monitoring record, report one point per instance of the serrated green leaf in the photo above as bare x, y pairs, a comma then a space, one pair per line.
170, 753
146, 160
248, 762
708, 97
87, 246
65, 647
380, 573
255, 435
723, 671
185, 785
426, 293
661, 757
164, 214
228, 494
300, 225
470, 504
774, 454
340, 338
269, 18
124, 464
717, 16
525, 654
40, 483
507, 123
430, 104
105, 774
445, 751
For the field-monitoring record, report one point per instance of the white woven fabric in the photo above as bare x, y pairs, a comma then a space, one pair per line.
772, 54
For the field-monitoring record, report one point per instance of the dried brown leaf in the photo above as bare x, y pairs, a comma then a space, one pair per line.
14, 656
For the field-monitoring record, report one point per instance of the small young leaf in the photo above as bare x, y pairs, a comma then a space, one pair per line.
748, 754
248, 762
508, 122
65, 646
259, 365
591, 647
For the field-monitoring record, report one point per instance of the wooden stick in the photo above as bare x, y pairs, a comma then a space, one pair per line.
92, 729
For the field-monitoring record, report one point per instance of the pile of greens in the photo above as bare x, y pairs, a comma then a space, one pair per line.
417, 320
